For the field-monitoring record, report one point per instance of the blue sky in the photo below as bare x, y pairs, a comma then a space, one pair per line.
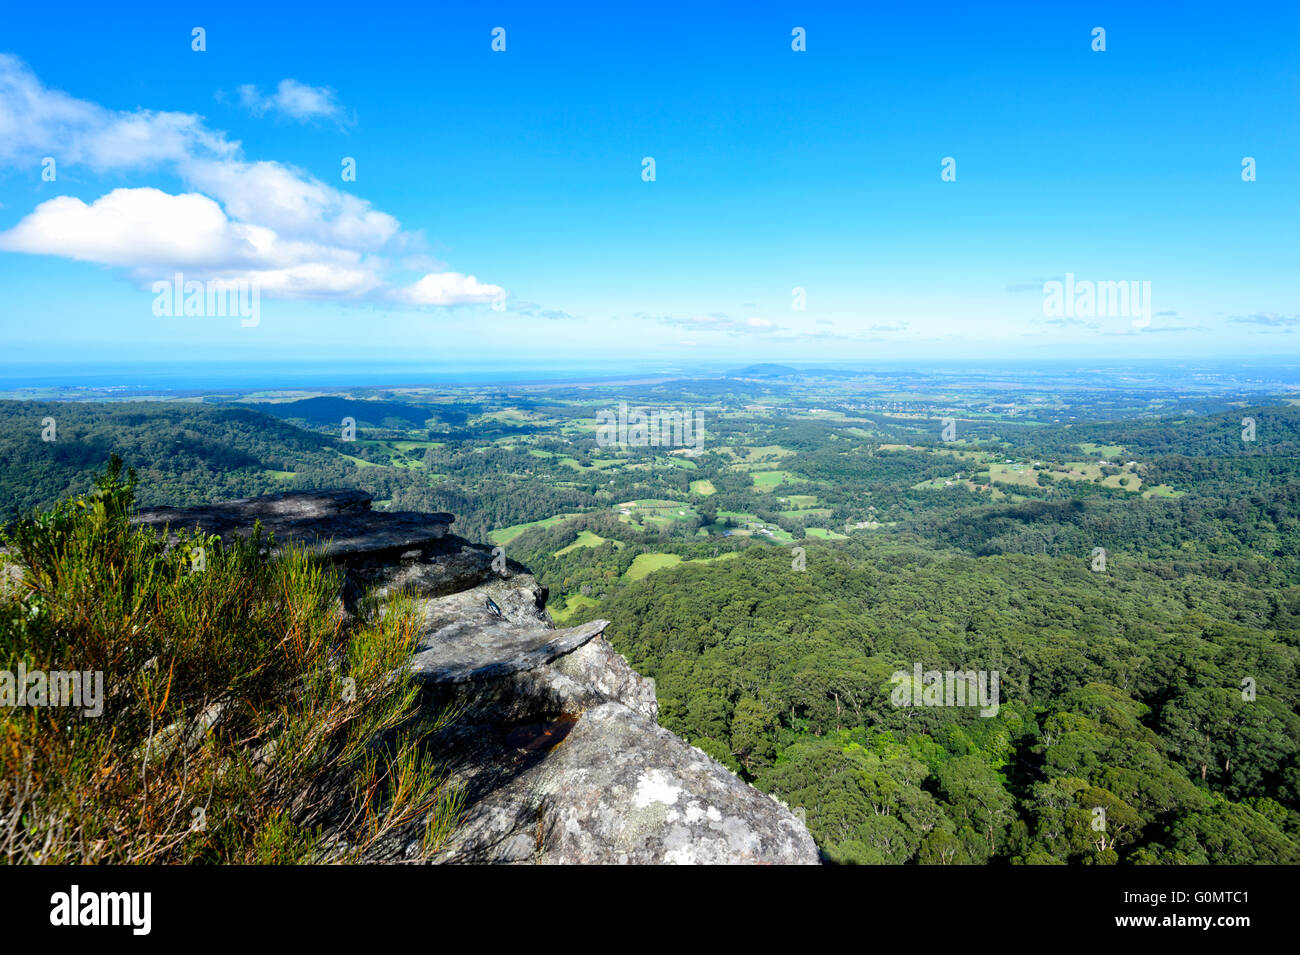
515, 178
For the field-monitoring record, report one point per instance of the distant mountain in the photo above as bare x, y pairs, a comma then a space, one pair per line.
330, 411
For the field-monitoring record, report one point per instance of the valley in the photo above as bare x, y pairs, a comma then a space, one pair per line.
826, 531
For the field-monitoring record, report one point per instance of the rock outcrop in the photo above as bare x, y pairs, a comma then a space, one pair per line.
557, 743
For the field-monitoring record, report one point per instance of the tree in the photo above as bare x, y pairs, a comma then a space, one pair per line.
752, 729
977, 797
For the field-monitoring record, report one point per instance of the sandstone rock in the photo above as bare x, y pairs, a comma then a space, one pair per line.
475, 649
556, 745
447, 566
338, 524
597, 665
621, 790
616, 788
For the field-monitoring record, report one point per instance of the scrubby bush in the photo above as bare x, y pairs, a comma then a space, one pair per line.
241, 722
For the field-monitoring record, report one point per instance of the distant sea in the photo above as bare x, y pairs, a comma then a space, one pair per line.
251, 376
170, 377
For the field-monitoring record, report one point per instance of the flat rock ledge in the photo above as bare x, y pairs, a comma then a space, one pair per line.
335, 523
556, 745
470, 650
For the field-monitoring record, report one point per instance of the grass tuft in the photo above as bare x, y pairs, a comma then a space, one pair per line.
241, 722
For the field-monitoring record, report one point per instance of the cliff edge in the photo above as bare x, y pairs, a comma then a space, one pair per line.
557, 745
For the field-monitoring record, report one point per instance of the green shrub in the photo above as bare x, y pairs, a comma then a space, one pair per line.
241, 722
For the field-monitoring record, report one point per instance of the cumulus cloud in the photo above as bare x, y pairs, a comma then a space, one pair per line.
151, 233
295, 101
292, 203
449, 288
261, 221
128, 227
36, 121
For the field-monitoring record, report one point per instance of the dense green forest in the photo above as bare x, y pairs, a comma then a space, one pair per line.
1120, 690
184, 453
1126, 563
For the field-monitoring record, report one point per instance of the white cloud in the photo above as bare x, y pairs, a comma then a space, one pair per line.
36, 121
129, 227
295, 100
261, 221
152, 233
449, 288
293, 203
